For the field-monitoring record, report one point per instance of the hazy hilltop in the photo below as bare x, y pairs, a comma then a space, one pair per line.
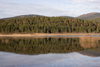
23, 16
32, 15
89, 16
94, 16
35, 15
66, 16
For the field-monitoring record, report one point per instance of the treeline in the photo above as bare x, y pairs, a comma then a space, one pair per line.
48, 25
40, 45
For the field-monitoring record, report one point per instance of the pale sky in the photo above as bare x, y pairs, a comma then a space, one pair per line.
74, 8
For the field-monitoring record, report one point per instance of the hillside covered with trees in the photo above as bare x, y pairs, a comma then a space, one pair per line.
48, 25
95, 19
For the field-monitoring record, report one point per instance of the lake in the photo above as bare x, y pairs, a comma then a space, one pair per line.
50, 51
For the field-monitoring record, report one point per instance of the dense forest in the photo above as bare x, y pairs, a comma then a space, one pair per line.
40, 45
48, 25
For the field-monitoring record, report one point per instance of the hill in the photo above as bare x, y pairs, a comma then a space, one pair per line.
24, 16
95, 19
89, 16
47, 25
66, 16
34, 15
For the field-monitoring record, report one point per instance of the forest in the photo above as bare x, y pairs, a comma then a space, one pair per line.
48, 25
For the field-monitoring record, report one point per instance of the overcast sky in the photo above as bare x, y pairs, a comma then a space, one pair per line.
10, 8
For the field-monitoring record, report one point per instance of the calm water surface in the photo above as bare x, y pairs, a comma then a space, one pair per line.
80, 51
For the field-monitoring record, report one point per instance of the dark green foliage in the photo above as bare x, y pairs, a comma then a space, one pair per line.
40, 45
48, 25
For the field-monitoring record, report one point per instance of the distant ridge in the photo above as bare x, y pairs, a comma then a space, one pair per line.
32, 15
66, 16
89, 16
84, 16
23, 16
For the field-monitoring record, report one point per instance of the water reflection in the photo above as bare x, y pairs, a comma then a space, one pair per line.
89, 42
48, 45
52, 52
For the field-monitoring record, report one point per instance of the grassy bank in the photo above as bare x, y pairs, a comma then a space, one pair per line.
49, 34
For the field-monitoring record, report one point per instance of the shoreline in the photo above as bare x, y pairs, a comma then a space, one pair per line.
47, 34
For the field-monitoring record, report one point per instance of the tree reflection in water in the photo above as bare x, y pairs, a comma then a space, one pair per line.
48, 45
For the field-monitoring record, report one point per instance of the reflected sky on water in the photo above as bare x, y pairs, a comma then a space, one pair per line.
48, 60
